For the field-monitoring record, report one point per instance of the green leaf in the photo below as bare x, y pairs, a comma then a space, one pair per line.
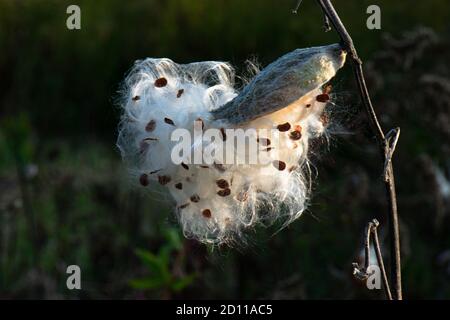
147, 283
157, 265
180, 284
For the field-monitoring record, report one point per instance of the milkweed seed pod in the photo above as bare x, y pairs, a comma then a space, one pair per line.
280, 111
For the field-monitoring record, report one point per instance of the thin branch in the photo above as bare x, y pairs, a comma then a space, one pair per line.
377, 246
390, 149
386, 148
362, 273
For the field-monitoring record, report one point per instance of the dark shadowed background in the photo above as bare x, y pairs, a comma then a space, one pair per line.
65, 198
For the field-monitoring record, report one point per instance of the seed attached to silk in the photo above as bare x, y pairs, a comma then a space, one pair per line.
242, 196
295, 135
206, 213
200, 121
324, 119
179, 186
280, 165
136, 98
163, 180
150, 126
161, 82
184, 206
222, 184
185, 166
324, 97
284, 127
143, 180
169, 121
180, 92
263, 141
224, 135
220, 167
224, 192
195, 198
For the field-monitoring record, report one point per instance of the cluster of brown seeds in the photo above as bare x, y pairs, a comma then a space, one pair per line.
224, 186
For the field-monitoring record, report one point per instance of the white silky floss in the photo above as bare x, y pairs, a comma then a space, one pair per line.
216, 202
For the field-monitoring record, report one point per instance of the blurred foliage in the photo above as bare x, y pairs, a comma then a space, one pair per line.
161, 277
65, 198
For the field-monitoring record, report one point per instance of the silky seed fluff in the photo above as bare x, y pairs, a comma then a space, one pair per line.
216, 202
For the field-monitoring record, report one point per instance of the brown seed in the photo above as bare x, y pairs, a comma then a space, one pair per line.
183, 205
222, 184
224, 135
280, 165
195, 198
180, 92
150, 126
153, 172
150, 139
263, 141
206, 213
161, 82
219, 167
143, 180
204, 167
324, 97
327, 88
224, 192
169, 121
201, 122
284, 127
293, 168
136, 98
308, 105
242, 196
163, 180
179, 186
185, 166
295, 135
267, 149
324, 119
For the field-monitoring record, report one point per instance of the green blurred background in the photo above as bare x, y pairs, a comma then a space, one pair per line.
65, 197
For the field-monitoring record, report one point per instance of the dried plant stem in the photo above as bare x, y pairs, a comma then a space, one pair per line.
363, 274
386, 146
377, 246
